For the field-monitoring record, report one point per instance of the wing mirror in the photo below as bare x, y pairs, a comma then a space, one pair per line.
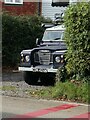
37, 41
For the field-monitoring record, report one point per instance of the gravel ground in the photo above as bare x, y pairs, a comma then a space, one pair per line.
14, 85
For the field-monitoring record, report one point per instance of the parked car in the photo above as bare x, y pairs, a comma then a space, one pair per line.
41, 63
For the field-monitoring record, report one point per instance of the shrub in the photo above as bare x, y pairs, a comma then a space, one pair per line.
18, 33
75, 91
61, 74
58, 90
83, 92
77, 36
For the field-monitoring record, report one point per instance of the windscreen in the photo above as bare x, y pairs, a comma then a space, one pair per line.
53, 35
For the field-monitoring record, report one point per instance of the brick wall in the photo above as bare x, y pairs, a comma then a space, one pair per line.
27, 8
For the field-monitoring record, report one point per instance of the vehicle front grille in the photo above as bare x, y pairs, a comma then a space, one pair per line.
43, 57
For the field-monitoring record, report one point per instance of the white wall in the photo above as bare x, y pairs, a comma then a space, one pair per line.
48, 11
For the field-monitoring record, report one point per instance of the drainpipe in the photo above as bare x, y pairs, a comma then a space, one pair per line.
39, 8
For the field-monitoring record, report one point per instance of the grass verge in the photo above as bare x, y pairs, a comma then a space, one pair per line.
3, 88
67, 91
75, 91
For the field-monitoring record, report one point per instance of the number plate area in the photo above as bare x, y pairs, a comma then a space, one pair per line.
40, 70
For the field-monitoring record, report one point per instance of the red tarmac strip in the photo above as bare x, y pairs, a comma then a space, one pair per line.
46, 111
85, 116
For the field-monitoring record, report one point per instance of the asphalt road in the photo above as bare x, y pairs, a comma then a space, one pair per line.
26, 107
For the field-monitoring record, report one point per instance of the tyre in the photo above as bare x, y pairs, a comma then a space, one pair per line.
48, 79
31, 78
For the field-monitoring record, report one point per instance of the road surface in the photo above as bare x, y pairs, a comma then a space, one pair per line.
19, 106
15, 107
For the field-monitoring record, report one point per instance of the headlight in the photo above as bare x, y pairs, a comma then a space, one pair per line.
57, 59
27, 58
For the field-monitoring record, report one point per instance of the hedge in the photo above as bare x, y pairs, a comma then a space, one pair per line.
18, 33
77, 36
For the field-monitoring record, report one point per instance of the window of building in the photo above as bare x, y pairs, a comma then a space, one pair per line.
60, 3
13, 1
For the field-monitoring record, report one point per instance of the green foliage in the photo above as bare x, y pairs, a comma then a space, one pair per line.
77, 36
44, 93
82, 90
75, 91
70, 91
61, 74
12, 88
18, 33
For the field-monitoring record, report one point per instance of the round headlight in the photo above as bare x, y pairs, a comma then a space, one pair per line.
27, 58
57, 59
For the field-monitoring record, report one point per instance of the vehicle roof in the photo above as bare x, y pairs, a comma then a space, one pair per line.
58, 27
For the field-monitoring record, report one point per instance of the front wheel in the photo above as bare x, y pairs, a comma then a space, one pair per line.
31, 78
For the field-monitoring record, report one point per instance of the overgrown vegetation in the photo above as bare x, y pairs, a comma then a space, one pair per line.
11, 88
18, 33
76, 73
74, 91
77, 36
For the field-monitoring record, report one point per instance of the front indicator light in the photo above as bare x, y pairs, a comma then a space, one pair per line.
61, 56
22, 59
62, 61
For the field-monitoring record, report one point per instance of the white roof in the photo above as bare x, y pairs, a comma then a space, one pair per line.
58, 27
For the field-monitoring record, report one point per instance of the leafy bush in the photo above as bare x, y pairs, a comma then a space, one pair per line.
82, 90
18, 33
77, 36
61, 74
69, 91
75, 91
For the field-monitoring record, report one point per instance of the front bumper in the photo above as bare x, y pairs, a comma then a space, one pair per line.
40, 68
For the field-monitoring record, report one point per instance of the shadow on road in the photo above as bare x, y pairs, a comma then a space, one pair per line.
12, 76
18, 77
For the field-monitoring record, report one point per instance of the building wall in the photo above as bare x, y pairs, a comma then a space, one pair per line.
28, 8
49, 12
